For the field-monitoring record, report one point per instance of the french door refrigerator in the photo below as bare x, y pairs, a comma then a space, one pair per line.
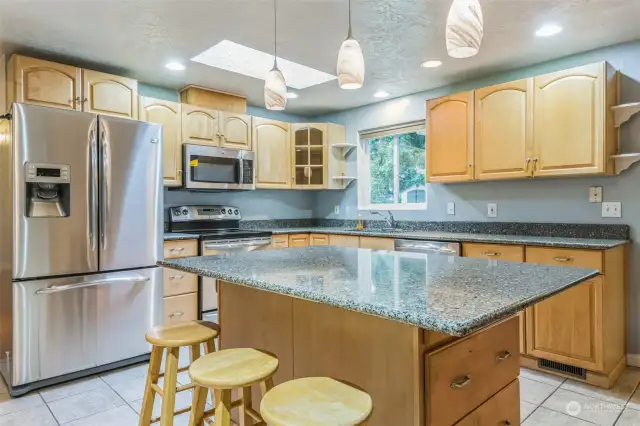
81, 234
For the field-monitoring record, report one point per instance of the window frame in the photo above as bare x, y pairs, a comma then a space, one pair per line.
364, 168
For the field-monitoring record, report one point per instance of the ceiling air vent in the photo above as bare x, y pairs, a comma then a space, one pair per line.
559, 367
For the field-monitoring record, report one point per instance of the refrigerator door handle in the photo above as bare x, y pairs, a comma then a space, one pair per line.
93, 189
105, 195
58, 288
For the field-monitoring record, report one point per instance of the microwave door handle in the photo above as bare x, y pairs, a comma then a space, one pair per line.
59, 288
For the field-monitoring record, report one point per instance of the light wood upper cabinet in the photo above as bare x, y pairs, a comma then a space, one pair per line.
273, 160
200, 125
235, 130
45, 83
450, 138
110, 94
504, 130
169, 114
309, 155
573, 131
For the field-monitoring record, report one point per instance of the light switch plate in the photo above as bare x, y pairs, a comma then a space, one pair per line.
451, 208
595, 194
336, 209
612, 209
492, 210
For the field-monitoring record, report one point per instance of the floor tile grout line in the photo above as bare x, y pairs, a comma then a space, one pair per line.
55, 419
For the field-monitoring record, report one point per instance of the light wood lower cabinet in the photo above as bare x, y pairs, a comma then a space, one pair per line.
299, 240
512, 253
180, 248
344, 241
181, 308
376, 243
178, 282
319, 240
280, 241
502, 409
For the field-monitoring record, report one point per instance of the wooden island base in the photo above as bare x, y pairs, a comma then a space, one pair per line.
415, 377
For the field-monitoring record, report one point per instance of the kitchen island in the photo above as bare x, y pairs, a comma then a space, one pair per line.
432, 338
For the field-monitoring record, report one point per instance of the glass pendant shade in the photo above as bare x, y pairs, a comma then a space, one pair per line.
464, 28
350, 68
275, 90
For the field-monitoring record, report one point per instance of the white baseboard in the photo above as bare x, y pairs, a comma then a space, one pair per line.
633, 360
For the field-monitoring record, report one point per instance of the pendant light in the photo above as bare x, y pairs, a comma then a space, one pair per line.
275, 87
350, 68
464, 28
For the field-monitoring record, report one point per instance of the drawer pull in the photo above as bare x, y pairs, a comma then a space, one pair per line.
563, 259
491, 253
176, 314
176, 277
461, 383
177, 249
504, 355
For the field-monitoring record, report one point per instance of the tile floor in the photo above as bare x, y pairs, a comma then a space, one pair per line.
115, 398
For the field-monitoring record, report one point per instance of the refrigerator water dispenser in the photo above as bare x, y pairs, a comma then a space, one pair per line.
48, 187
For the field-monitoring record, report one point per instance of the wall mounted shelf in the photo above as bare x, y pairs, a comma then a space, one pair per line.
346, 180
624, 161
622, 113
345, 148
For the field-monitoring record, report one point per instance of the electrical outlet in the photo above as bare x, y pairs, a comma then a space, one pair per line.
595, 194
336, 209
492, 210
612, 209
451, 208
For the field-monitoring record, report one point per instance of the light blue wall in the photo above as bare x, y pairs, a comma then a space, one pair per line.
158, 92
539, 200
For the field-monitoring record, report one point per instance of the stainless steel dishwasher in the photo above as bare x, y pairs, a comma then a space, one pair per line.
417, 246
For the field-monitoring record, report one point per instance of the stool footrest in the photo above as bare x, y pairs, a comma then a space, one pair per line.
253, 413
185, 387
157, 389
175, 413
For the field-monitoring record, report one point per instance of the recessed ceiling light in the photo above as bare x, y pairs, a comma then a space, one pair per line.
433, 63
244, 60
381, 94
548, 30
292, 95
175, 66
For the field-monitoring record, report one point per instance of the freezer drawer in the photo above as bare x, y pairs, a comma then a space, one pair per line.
71, 324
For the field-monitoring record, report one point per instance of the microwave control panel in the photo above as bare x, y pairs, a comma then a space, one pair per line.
247, 172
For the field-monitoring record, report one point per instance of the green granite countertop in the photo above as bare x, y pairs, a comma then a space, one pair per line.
447, 294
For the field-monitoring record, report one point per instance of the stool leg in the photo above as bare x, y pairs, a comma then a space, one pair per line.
222, 416
196, 418
152, 378
210, 346
169, 390
195, 354
247, 402
266, 386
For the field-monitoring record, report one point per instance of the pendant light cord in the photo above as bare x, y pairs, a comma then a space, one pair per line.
349, 34
275, 33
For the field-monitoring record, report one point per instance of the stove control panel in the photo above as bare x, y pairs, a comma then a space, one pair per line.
195, 213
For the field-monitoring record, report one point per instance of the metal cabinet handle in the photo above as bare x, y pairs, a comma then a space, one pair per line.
176, 277
527, 163
461, 382
535, 163
491, 253
176, 314
563, 259
177, 249
504, 355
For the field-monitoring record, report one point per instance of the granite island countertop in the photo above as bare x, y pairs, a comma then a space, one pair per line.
446, 294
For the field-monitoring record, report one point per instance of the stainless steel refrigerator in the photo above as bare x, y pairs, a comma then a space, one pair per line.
80, 234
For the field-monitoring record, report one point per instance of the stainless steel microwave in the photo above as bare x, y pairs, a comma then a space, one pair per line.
208, 167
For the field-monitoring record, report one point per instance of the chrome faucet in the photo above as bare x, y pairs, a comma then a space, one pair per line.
390, 220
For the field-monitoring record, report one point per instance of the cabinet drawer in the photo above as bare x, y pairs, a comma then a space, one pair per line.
494, 251
376, 243
467, 372
299, 240
502, 409
280, 241
178, 282
180, 248
566, 257
319, 240
344, 240
181, 308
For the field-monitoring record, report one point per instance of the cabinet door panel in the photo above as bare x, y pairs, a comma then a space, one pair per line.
110, 94
450, 138
568, 326
45, 83
569, 121
299, 240
199, 125
169, 114
235, 130
309, 155
271, 142
503, 130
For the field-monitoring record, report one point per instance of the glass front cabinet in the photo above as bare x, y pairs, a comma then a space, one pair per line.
309, 144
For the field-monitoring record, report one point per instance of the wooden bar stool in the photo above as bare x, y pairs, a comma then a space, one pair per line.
171, 338
224, 371
316, 401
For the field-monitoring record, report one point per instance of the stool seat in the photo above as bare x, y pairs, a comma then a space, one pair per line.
233, 368
315, 401
184, 334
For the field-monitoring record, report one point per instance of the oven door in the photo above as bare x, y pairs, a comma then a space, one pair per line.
207, 167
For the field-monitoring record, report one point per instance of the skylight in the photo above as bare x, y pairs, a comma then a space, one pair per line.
244, 60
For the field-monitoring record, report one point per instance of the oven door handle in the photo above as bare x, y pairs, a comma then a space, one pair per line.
252, 243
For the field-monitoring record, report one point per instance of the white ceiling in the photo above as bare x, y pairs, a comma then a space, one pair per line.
137, 37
